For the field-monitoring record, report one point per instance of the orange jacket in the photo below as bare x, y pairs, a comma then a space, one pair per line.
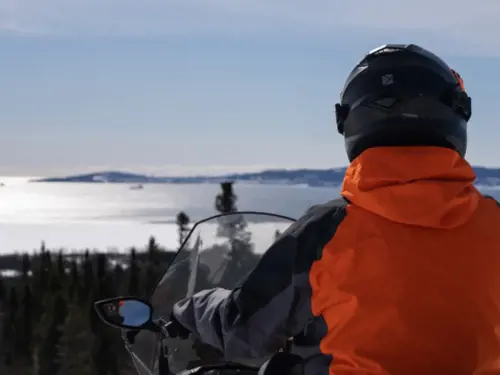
410, 283
400, 277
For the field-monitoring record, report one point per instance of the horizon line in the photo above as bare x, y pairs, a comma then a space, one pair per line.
168, 175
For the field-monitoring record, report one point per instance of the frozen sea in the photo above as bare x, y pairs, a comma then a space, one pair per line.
75, 216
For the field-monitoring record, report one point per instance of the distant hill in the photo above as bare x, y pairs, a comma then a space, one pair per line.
309, 177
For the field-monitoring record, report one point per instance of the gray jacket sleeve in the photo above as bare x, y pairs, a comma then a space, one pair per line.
273, 303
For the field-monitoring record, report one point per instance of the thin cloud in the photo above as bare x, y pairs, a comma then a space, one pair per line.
465, 24
12, 28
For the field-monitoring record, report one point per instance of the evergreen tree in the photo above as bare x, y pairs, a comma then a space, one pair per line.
183, 226
27, 311
149, 279
133, 285
60, 264
118, 279
230, 226
57, 283
13, 300
105, 287
5, 337
240, 257
10, 328
153, 251
3, 292
88, 276
102, 266
26, 266
45, 267
74, 279
225, 201
76, 339
44, 329
50, 353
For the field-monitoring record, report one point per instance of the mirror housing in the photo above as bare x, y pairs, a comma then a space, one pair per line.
125, 312
284, 364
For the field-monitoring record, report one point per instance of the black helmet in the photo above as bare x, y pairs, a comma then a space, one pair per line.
403, 95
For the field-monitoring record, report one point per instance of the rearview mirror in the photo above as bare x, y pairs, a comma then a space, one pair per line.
124, 312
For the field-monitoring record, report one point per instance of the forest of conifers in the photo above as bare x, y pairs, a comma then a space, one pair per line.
48, 325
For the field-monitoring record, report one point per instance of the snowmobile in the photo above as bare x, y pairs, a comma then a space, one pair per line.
219, 251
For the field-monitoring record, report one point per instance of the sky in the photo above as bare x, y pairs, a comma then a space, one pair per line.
179, 87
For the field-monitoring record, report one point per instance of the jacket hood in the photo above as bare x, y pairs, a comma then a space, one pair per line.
423, 186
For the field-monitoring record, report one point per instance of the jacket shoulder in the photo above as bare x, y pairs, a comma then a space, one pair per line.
332, 206
320, 217
315, 229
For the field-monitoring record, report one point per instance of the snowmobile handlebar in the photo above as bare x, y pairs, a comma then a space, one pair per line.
279, 364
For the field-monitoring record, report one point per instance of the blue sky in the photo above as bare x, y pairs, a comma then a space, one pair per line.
192, 86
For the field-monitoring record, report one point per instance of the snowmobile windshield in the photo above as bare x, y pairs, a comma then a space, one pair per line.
219, 251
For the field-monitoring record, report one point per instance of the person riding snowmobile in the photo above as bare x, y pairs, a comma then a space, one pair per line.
399, 276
